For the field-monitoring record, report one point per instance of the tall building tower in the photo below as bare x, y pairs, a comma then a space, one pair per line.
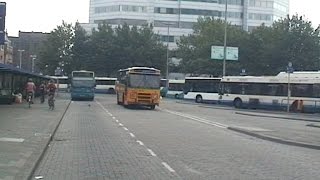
180, 15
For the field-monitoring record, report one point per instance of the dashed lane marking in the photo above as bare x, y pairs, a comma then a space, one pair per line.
117, 121
132, 135
18, 140
126, 129
151, 152
168, 167
120, 124
140, 142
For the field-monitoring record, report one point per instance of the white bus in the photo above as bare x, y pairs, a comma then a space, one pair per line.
105, 85
272, 91
62, 82
202, 89
175, 88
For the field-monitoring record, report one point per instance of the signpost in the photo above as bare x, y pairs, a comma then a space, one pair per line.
217, 53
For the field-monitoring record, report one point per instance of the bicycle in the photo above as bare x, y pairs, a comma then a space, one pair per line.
51, 102
29, 99
42, 98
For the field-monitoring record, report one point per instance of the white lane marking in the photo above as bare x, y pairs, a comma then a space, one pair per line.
110, 114
117, 121
151, 152
4, 139
132, 135
125, 128
205, 121
113, 117
168, 167
140, 142
120, 124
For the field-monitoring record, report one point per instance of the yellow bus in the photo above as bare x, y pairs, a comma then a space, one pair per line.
138, 86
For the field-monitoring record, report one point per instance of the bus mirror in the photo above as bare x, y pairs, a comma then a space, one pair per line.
185, 91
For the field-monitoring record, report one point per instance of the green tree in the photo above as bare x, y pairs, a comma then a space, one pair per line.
81, 51
195, 49
57, 50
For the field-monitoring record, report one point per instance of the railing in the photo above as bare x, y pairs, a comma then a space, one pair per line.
316, 102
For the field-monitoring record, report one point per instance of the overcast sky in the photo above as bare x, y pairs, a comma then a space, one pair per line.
45, 15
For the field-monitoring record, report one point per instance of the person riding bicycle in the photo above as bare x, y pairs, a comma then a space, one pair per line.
30, 88
51, 91
51, 88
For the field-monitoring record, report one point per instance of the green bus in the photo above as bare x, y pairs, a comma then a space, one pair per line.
82, 85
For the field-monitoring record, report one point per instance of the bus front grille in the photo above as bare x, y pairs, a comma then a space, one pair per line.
144, 97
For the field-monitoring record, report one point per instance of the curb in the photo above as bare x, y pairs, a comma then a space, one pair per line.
277, 117
274, 139
40, 157
313, 125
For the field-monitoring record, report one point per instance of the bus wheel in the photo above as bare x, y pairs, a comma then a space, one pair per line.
176, 96
152, 107
199, 99
237, 103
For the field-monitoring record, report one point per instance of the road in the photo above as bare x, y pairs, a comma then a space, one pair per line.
101, 140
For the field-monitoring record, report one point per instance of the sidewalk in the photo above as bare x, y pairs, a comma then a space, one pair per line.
24, 133
293, 129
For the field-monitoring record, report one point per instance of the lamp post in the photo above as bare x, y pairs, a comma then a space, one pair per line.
33, 58
167, 64
289, 70
20, 53
225, 39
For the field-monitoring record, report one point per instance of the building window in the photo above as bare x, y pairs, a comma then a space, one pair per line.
164, 38
260, 17
106, 9
127, 8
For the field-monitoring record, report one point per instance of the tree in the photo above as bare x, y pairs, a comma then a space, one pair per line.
292, 39
264, 51
57, 50
195, 49
81, 50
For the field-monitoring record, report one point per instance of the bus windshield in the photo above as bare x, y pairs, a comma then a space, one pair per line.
144, 81
83, 83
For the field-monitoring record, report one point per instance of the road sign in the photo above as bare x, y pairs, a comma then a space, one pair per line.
58, 72
217, 52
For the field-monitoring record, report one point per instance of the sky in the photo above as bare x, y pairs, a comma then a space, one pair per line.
45, 15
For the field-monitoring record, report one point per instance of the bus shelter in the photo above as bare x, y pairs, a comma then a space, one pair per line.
13, 81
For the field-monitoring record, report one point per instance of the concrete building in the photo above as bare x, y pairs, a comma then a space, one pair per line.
30, 44
180, 15
6, 52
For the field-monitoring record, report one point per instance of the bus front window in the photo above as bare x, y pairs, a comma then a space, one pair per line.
144, 81
83, 83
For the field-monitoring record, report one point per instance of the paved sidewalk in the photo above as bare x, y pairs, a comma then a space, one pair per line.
24, 134
89, 144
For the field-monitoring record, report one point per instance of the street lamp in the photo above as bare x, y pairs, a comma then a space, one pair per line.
289, 70
167, 66
33, 58
20, 52
225, 39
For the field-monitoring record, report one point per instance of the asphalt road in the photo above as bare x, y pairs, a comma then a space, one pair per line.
176, 141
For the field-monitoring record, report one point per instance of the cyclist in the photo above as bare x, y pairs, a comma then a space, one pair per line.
51, 91
30, 88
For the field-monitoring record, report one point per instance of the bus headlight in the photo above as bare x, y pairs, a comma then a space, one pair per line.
133, 95
155, 96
